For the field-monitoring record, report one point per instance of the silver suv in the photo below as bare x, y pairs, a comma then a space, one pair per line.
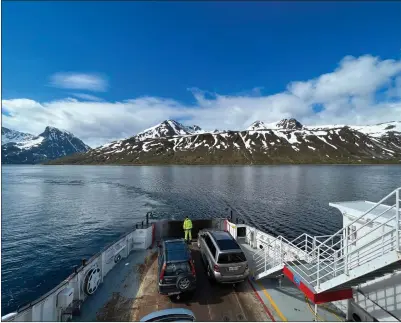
224, 259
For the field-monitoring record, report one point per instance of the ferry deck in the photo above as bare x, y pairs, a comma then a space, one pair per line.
354, 274
130, 293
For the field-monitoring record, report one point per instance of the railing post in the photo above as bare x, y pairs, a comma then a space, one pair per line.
346, 251
397, 219
306, 243
318, 268
314, 247
265, 259
281, 253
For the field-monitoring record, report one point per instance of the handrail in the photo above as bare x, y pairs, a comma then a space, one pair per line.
367, 212
353, 241
349, 254
360, 260
338, 253
360, 237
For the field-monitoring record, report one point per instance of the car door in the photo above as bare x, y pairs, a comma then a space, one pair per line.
210, 251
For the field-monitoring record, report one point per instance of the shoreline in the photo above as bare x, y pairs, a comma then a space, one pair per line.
224, 165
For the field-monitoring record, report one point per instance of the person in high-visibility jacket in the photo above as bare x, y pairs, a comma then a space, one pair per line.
187, 229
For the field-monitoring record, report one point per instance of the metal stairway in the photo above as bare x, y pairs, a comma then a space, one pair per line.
325, 268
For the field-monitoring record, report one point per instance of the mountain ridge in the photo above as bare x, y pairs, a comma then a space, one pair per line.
286, 141
23, 148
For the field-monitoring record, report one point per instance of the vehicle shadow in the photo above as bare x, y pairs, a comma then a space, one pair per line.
207, 292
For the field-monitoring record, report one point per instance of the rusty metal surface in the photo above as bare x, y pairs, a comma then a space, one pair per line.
210, 302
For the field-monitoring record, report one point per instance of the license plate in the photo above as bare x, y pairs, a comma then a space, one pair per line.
173, 293
232, 268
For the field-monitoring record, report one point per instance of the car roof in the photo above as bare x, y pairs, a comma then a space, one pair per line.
224, 240
176, 250
175, 313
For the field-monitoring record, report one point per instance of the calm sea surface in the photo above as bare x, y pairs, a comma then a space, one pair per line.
53, 216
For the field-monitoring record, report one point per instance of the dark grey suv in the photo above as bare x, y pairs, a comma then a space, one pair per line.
176, 268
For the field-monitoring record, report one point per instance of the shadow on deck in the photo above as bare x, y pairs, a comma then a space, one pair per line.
210, 302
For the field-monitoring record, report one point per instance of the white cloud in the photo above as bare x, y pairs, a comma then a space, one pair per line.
87, 97
347, 95
79, 81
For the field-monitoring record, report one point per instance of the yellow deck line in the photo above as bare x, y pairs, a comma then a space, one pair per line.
270, 299
327, 309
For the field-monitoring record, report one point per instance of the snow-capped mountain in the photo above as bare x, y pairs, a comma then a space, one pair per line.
287, 141
168, 128
52, 143
282, 124
257, 125
8, 135
289, 124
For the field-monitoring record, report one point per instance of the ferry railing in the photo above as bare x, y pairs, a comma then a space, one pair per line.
331, 258
53, 314
279, 250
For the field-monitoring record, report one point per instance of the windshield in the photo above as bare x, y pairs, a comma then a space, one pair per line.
229, 258
177, 268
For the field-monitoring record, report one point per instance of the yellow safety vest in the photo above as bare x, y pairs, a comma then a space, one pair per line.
187, 224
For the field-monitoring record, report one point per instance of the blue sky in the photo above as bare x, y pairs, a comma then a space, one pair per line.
233, 61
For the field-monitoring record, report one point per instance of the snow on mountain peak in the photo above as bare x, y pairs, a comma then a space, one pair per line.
50, 144
379, 130
168, 128
8, 135
257, 125
289, 124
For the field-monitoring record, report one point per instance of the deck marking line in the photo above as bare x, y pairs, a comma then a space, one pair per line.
242, 310
208, 309
261, 301
319, 316
312, 310
282, 317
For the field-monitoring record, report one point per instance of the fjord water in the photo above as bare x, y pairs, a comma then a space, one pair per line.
54, 216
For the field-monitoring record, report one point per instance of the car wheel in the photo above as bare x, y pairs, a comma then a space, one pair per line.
210, 275
183, 283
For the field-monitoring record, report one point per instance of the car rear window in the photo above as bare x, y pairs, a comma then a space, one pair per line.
229, 258
176, 268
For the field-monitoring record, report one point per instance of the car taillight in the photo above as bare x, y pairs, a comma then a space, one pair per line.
162, 272
193, 268
216, 268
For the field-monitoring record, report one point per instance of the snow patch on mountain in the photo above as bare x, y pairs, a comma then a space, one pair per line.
380, 129
168, 128
8, 135
50, 144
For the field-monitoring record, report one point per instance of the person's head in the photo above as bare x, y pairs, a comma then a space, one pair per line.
186, 218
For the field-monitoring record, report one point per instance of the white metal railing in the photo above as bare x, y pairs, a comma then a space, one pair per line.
341, 252
326, 257
280, 250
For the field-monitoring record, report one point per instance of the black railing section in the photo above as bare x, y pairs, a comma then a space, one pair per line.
234, 217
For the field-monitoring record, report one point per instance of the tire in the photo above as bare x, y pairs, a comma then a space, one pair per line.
210, 275
183, 283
